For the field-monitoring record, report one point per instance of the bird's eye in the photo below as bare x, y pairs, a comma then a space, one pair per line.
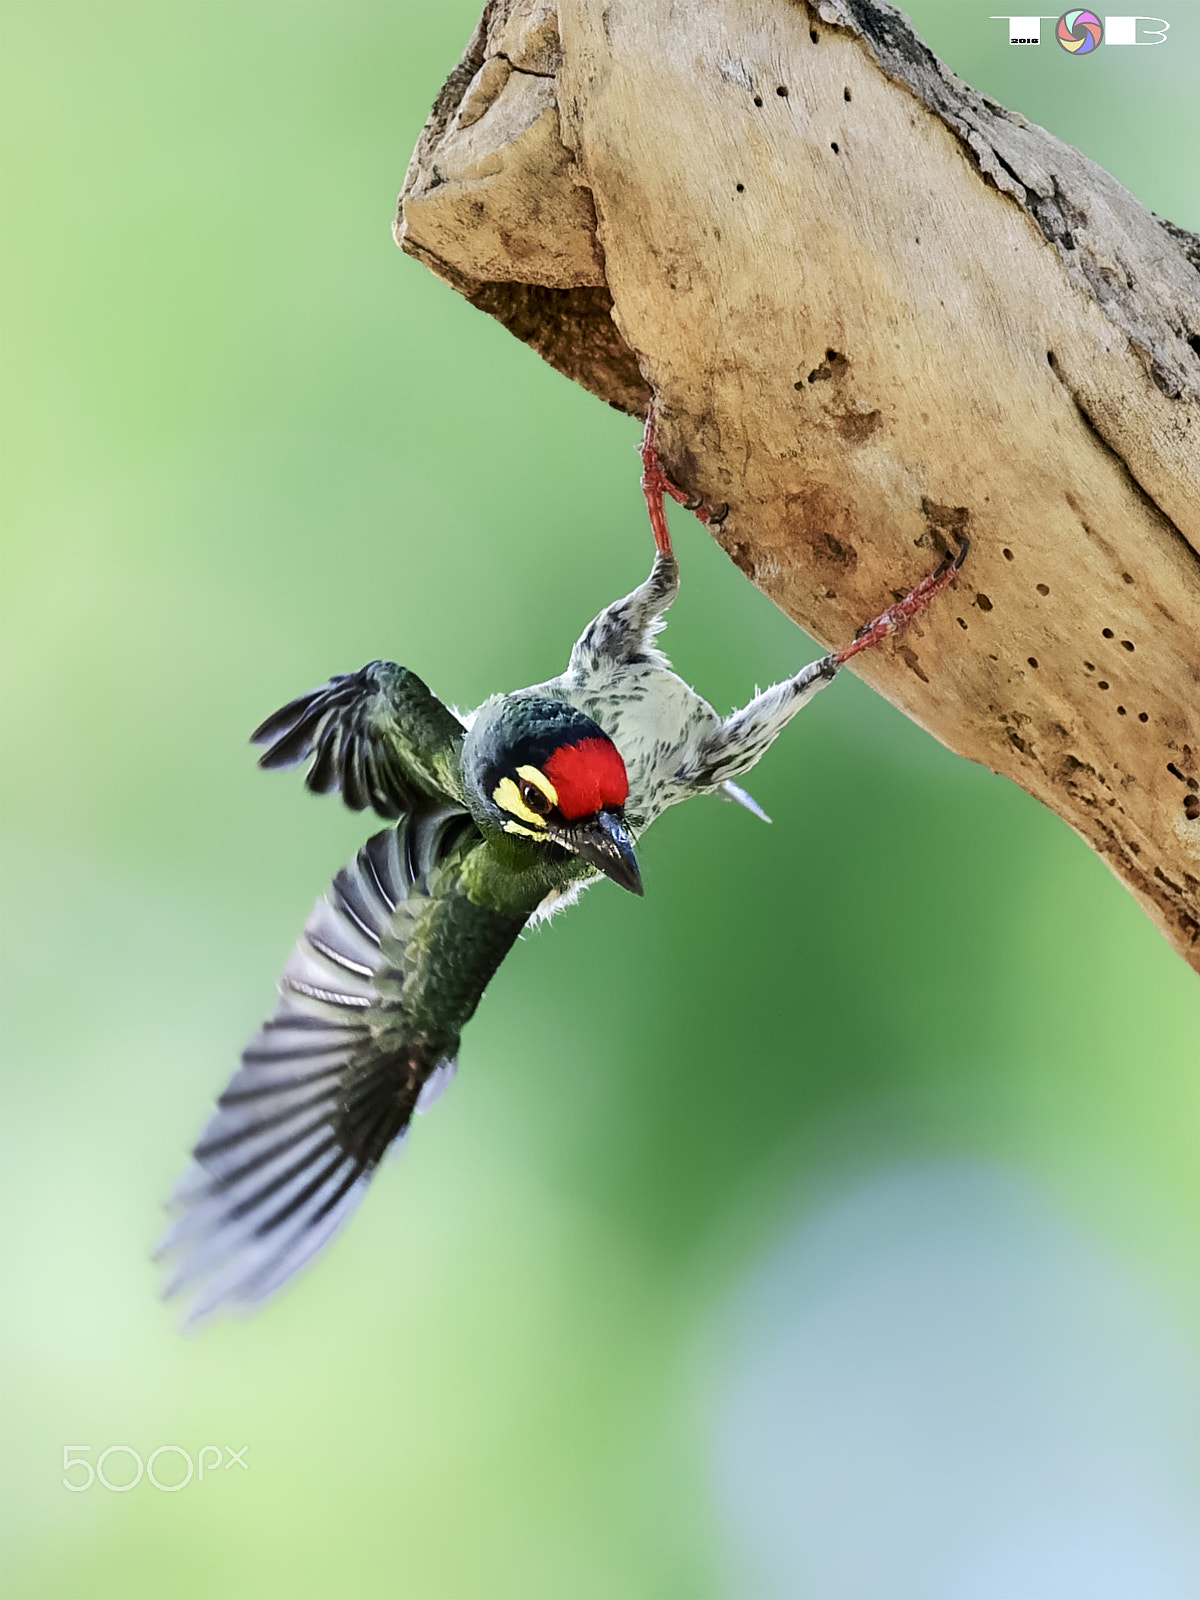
533, 797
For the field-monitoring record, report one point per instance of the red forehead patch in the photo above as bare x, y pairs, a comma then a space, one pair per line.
587, 776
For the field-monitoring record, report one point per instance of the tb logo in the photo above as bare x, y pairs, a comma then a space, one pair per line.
1081, 33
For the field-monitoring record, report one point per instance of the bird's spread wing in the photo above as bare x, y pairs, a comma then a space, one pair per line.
392, 963
379, 737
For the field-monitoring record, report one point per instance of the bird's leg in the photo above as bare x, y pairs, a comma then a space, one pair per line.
739, 742
625, 629
735, 746
655, 484
896, 618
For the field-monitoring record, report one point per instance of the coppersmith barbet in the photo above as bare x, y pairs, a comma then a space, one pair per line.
494, 818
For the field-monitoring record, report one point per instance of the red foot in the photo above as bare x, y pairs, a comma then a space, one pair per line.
898, 617
655, 484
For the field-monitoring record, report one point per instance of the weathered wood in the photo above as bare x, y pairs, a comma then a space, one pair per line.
878, 310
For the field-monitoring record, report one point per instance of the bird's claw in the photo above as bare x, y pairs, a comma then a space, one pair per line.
954, 562
897, 617
656, 484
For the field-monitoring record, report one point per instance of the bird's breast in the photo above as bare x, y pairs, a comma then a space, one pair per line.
656, 721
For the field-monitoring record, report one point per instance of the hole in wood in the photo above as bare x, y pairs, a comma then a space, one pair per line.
1042, 589
1126, 644
741, 188
832, 364
834, 148
758, 100
782, 91
846, 95
1191, 808
1172, 768
1033, 661
982, 601
1120, 711
1108, 633
814, 36
1102, 684
1143, 716
1008, 555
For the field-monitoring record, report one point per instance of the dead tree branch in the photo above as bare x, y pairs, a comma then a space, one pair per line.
878, 310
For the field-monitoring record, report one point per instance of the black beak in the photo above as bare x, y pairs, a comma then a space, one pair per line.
604, 842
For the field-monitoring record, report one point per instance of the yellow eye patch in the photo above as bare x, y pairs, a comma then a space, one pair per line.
529, 833
507, 796
539, 780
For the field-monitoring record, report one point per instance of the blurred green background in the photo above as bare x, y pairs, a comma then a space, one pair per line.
248, 444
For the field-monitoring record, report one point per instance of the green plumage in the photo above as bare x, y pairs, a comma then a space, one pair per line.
392, 965
379, 737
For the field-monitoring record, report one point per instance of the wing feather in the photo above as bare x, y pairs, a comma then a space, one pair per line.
333, 1078
378, 737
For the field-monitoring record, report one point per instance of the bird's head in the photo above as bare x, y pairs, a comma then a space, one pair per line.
543, 772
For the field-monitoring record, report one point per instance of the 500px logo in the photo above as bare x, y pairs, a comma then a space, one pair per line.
210, 1458
1081, 33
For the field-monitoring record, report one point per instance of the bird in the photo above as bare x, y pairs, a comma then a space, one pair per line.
494, 819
